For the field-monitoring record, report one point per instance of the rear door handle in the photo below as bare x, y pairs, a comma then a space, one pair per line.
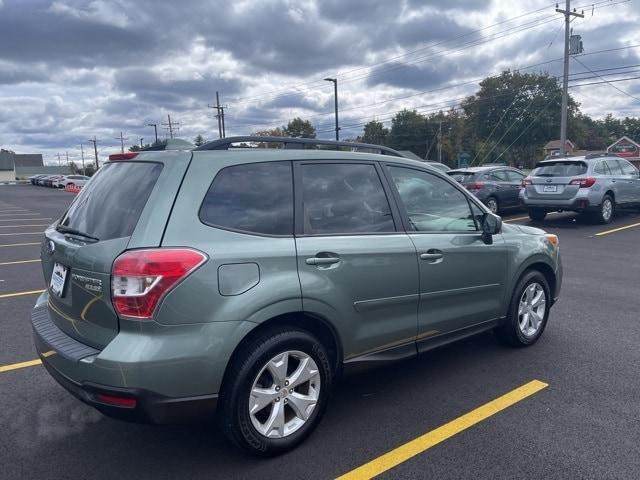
431, 255
322, 260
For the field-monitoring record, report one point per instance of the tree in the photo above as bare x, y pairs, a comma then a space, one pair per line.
134, 148
199, 140
410, 131
299, 128
517, 113
375, 132
270, 132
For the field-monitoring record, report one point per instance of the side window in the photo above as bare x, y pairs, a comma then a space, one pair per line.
498, 176
432, 204
253, 198
614, 167
601, 168
627, 168
515, 176
344, 198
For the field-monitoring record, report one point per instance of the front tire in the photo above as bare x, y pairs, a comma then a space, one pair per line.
537, 214
528, 311
275, 391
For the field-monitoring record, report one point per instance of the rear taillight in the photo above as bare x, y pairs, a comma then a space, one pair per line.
585, 182
525, 182
141, 278
123, 156
475, 186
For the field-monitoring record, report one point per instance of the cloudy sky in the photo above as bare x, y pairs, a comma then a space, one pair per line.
72, 69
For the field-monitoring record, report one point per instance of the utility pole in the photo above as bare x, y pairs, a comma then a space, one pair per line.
141, 147
58, 158
82, 156
122, 139
155, 129
565, 77
67, 154
335, 100
219, 116
95, 150
440, 142
172, 126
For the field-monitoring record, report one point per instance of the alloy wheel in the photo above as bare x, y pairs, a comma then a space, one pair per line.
492, 205
607, 209
284, 394
532, 309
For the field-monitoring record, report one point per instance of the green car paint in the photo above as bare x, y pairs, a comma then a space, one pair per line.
381, 300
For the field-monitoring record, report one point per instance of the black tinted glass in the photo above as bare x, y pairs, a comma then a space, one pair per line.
344, 198
255, 198
560, 169
110, 205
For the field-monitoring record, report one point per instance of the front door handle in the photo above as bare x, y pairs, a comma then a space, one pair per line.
431, 255
322, 260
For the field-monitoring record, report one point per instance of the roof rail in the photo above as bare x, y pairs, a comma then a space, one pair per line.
589, 156
296, 143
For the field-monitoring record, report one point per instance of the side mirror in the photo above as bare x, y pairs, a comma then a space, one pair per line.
491, 225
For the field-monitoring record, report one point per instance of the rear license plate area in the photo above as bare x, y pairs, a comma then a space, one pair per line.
58, 279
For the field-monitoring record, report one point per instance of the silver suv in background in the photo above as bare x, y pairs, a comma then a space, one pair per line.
596, 185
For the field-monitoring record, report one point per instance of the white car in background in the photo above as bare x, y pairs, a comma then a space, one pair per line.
74, 180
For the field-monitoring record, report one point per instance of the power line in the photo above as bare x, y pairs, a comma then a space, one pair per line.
609, 83
448, 87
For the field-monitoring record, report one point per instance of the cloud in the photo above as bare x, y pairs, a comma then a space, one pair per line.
72, 69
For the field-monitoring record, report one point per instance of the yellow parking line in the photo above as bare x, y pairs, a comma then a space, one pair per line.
404, 452
614, 230
20, 226
20, 294
16, 366
516, 219
19, 261
18, 244
22, 233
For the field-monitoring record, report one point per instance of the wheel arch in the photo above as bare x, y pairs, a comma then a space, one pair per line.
541, 265
312, 323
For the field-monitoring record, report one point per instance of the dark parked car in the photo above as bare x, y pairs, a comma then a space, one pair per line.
495, 186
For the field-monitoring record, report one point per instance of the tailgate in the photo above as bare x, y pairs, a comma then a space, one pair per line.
125, 205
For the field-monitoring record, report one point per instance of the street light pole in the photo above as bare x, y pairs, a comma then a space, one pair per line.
155, 129
335, 98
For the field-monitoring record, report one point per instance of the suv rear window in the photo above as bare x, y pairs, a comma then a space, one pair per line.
110, 205
462, 177
561, 168
252, 198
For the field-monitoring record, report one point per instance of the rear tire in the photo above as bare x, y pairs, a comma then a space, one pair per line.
528, 311
537, 214
493, 205
249, 384
606, 211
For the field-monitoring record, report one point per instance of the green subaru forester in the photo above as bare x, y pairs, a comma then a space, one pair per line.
183, 283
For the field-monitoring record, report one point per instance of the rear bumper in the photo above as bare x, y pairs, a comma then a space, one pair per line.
173, 373
149, 406
574, 204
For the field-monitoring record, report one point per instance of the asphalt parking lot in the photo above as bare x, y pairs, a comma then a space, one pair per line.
580, 418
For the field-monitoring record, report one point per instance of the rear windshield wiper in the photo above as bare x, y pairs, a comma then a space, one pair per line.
73, 231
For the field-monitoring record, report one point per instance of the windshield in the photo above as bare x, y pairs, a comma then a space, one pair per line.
110, 205
560, 169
